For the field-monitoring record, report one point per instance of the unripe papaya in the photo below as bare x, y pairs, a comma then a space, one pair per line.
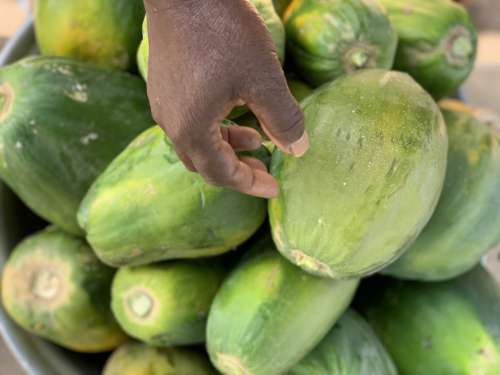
269, 314
280, 6
55, 287
437, 42
106, 33
61, 123
166, 304
148, 207
350, 348
370, 180
330, 38
135, 358
465, 224
447, 327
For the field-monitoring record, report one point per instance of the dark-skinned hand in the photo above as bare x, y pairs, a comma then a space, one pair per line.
206, 57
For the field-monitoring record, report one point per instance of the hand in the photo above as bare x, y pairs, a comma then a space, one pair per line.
207, 56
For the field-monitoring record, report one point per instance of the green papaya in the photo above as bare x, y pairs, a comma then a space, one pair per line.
437, 42
143, 51
166, 304
299, 89
465, 224
106, 33
280, 6
370, 180
61, 124
350, 348
446, 328
55, 287
148, 207
330, 38
135, 358
269, 314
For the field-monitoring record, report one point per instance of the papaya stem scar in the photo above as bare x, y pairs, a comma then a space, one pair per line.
6, 100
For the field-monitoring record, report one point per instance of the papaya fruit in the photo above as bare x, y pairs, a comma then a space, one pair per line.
448, 327
135, 358
55, 287
300, 90
437, 42
143, 51
370, 180
148, 207
329, 38
60, 131
166, 304
351, 347
105, 33
280, 6
269, 314
465, 224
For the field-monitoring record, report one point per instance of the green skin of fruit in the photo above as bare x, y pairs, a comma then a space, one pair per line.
135, 358
106, 33
370, 180
351, 347
328, 39
448, 327
61, 124
148, 207
269, 314
55, 287
464, 225
280, 6
437, 43
143, 51
166, 304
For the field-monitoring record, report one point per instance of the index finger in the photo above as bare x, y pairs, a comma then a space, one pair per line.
219, 165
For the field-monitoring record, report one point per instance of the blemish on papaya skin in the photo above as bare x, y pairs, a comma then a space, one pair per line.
273, 277
6, 100
310, 264
427, 343
39, 283
231, 364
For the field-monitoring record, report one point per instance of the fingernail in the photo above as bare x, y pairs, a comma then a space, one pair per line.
299, 147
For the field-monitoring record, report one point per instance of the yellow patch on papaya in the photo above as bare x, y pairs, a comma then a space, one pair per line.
38, 282
310, 264
6, 100
456, 106
231, 364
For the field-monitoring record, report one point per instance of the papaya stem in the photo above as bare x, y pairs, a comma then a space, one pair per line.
461, 46
359, 59
141, 304
45, 284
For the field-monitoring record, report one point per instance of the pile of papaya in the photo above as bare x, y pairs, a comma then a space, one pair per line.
367, 263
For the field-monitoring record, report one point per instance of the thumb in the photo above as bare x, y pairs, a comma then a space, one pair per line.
278, 113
